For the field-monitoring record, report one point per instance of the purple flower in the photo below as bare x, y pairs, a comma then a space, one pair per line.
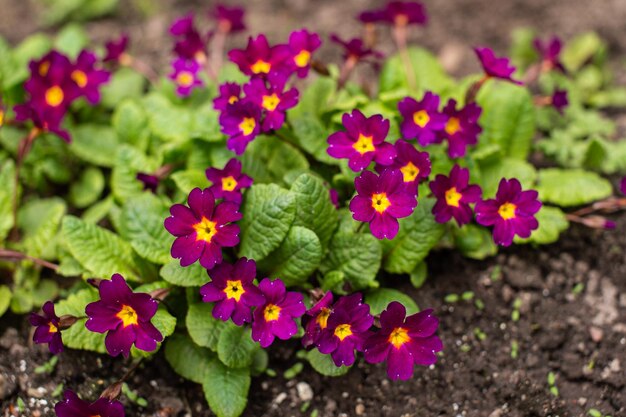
125, 316
73, 406
87, 77
185, 75
273, 99
203, 228
116, 51
550, 52
404, 342
228, 182
259, 58
413, 164
302, 44
2, 112
421, 119
242, 123
276, 318
454, 195
462, 128
362, 142
229, 19
47, 328
150, 182
232, 289
355, 49
190, 45
559, 100
230, 93
511, 213
315, 319
399, 13
495, 67
622, 185
347, 330
43, 120
334, 197
381, 200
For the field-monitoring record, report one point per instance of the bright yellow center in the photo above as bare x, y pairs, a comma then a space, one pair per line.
507, 211
247, 125
52, 328
453, 197
364, 145
380, 202
342, 331
229, 183
398, 337
43, 68
303, 58
453, 125
233, 99
421, 118
270, 102
1, 117
409, 172
128, 315
234, 289
184, 79
54, 96
261, 67
271, 312
205, 230
322, 318
79, 77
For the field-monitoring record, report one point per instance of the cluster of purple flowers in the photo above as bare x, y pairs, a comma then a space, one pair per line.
397, 13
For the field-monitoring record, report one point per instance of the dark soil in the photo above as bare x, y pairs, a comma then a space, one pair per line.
579, 336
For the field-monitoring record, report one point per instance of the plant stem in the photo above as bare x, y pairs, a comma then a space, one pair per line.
399, 36
472, 92
22, 151
346, 71
15, 255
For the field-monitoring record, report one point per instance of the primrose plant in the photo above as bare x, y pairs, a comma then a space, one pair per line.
229, 206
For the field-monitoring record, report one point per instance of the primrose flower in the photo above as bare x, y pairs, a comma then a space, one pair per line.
203, 228
511, 213
398, 13
228, 182
550, 53
42, 120
186, 76
274, 100
381, 200
334, 197
48, 328
355, 49
230, 93
559, 100
495, 67
421, 119
259, 58
315, 319
413, 164
362, 142
73, 406
404, 342
454, 195
302, 44
462, 128
116, 51
150, 182
233, 291
229, 19
87, 77
190, 45
276, 318
622, 185
2, 112
242, 123
125, 317
347, 329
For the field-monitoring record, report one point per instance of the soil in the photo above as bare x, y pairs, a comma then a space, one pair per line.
572, 295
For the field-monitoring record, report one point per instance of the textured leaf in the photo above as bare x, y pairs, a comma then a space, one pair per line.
39, 221
128, 163
380, 298
71, 40
5, 299
203, 328
190, 179
125, 83
188, 359
193, 275
552, 222
325, 365
88, 188
77, 336
130, 122
419, 275
96, 144
7, 178
491, 174
358, 256
226, 389
571, 187
578, 51
268, 159
475, 242
314, 209
235, 347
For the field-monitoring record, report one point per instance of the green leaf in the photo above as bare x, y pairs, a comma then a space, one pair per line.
552, 222
380, 298
491, 174
325, 365
226, 389
314, 209
128, 162
358, 256
71, 40
578, 51
333, 281
475, 242
39, 220
165, 323
204, 329
190, 179
96, 144
419, 275
88, 188
7, 177
125, 83
188, 359
98, 211
418, 234
77, 336
5, 299
269, 159
130, 122
193, 275
270, 211
235, 347
167, 121
571, 187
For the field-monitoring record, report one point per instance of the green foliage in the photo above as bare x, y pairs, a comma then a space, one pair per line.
226, 389
190, 276
571, 187
380, 298
552, 222
235, 347
204, 329
324, 364
7, 177
357, 256
188, 359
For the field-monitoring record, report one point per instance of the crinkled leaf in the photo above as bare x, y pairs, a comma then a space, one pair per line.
474, 241
380, 298
125, 83
204, 329
269, 159
571, 187
96, 144
5, 299
325, 365
193, 275
235, 347
130, 122
39, 221
77, 336
128, 162
88, 188
314, 209
358, 256
226, 389
189, 179
188, 359
7, 178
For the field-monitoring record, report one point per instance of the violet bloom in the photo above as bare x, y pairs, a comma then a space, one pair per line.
233, 291
454, 195
230, 93
242, 123
228, 182
189, 44
622, 186
87, 77
559, 100
116, 51
203, 228
511, 213
150, 182
259, 58
276, 318
334, 197
347, 330
355, 49
302, 44
462, 128
550, 53
495, 67
421, 119
399, 13
381, 200
186, 76
47, 328
43, 120
362, 142
229, 19
73, 406
315, 319
413, 164
404, 342
274, 100
125, 317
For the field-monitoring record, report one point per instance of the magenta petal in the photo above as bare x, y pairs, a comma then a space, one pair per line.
400, 364
120, 340
224, 309
384, 226
210, 293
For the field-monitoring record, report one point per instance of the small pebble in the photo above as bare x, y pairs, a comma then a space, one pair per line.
305, 393
359, 409
596, 334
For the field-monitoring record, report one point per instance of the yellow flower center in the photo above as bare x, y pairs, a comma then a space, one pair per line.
205, 230
1, 117
453, 125
322, 318
234, 289
44, 67
233, 99
421, 118
364, 145
453, 197
247, 125
229, 183
128, 315
303, 58
409, 172
270, 102
507, 211
271, 312
79, 77
342, 331
54, 96
52, 328
398, 337
380, 202
261, 67
184, 79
